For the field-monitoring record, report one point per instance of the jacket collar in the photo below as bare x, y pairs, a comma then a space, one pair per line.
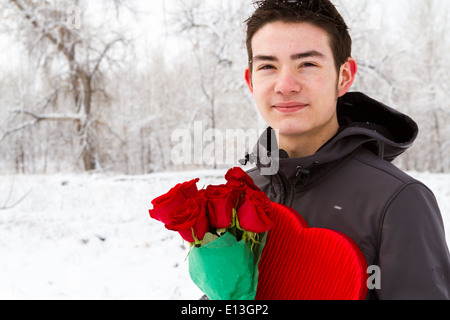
364, 122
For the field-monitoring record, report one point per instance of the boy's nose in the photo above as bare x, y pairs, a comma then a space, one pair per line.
287, 84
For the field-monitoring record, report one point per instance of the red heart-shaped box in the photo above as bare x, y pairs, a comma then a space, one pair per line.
303, 263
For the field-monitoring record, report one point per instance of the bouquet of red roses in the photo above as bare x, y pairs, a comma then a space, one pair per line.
225, 226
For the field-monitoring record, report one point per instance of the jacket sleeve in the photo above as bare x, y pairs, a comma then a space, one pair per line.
414, 259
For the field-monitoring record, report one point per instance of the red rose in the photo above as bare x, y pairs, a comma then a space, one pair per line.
177, 196
189, 188
190, 220
253, 212
237, 177
220, 205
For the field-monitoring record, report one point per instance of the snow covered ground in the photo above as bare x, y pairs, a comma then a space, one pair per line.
90, 236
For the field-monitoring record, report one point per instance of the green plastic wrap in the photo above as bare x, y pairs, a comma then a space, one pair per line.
226, 269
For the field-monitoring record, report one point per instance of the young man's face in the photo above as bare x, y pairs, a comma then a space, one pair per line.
294, 79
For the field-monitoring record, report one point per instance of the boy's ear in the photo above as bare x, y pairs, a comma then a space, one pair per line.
347, 76
248, 79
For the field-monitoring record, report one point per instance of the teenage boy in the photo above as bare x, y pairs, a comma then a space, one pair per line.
335, 148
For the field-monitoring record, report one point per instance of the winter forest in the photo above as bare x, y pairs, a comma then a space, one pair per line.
101, 86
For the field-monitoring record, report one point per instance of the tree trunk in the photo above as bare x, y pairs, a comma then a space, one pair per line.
88, 152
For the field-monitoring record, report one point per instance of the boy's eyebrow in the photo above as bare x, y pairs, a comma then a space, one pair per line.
307, 54
264, 58
296, 56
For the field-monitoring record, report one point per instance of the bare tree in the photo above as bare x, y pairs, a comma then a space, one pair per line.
75, 54
217, 55
425, 83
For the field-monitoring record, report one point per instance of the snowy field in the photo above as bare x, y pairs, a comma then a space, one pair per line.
90, 236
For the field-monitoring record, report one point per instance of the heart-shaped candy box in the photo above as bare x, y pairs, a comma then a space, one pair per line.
303, 263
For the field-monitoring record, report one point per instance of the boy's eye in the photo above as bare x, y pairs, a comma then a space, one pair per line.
308, 64
265, 67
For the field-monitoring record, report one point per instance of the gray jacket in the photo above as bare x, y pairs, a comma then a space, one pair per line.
350, 185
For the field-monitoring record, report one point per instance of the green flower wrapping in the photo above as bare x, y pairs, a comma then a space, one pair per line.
226, 269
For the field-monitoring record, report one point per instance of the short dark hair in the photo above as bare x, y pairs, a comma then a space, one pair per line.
321, 13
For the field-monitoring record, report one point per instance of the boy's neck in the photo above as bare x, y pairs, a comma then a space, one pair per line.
305, 145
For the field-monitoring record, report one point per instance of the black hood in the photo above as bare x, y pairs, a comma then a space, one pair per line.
393, 132
364, 122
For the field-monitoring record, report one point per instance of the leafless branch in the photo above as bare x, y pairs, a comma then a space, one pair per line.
102, 55
6, 205
40, 117
51, 116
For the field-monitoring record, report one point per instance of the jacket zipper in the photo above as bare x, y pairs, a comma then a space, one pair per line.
285, 183
290, 186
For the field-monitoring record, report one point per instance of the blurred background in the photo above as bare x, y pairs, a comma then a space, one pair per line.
100, 86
